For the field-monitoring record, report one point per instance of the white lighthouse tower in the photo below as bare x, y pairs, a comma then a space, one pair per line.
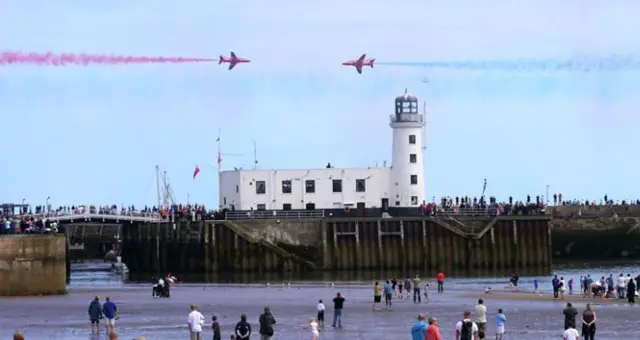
407, 174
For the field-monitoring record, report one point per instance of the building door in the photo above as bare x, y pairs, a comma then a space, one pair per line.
311, 206
385, 205
360, 209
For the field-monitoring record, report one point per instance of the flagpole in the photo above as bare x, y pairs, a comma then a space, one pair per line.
219, 160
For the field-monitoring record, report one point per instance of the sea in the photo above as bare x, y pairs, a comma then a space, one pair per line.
293, 300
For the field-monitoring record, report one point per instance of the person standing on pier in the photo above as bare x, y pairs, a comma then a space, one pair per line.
338, 306
440, 278
417, 298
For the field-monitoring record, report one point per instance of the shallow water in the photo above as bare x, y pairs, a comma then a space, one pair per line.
64, 317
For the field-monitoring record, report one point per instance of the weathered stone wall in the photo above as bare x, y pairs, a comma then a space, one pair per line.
290, 232
32, 265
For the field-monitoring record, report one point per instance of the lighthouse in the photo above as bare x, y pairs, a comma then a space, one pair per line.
407, 173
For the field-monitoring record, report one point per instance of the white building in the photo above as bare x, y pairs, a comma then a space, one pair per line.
401, 185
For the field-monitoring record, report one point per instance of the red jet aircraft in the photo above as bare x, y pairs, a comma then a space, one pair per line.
359, 63
233, 60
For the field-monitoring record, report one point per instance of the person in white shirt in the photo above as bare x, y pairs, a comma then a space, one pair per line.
313, 325
621, 286
481, 318
466, 327
570, 334
320, 309
195, 322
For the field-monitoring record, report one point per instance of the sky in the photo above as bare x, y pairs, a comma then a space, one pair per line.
93, 135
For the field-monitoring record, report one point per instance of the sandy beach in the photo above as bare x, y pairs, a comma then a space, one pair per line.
65, 317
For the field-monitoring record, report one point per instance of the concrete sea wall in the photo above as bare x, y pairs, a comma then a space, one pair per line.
32, 265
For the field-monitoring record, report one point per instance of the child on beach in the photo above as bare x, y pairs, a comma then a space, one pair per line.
536, 284
426, 292
320, 310
313, 325
501, 319
571, 286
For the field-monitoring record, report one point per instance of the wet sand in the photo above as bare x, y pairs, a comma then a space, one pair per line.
531, 296
65, 317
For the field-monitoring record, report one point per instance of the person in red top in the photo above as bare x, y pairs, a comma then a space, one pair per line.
433, 332
440, 278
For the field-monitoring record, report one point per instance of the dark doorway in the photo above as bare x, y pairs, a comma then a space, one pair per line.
311, 206
360, 209
385, 205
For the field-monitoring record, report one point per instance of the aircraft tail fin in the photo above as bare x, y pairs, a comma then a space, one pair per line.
372, 61
220, 60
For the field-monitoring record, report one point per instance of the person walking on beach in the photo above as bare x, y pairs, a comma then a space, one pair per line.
110, 311
400, 289
377, 296
570, 313
195, 320
561, 288
95, 314
313, 325
621, 286
481, 318
501, 320
215, 328
588, 323
556, 284
243, 328
266, 321
388, 295
466, 329
417, 298
419, 329
631, 291
440, 278
320, 311
433, 332
338, 306
407, 287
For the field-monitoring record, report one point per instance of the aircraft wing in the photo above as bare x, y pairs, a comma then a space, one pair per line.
232, 64
233, 55
359, 68
361, 59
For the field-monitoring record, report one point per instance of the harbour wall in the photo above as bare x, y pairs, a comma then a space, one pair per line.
596, 232
32, 265
478, 246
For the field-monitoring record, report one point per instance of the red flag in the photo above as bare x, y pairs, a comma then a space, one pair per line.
196, 171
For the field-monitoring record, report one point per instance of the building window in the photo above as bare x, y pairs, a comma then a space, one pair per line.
224, 201
286, 206
397, 203
412, 139
413, 158
361, 185
261, 187
414, 200
311, 206
310, 186
414, 179
286, 187
237, 188
262, 207
337, 185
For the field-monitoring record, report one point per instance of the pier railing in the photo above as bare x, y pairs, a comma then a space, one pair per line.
275, 215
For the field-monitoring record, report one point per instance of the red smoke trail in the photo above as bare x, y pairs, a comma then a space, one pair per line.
83, 59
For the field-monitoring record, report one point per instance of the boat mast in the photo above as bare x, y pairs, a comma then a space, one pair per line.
159, 206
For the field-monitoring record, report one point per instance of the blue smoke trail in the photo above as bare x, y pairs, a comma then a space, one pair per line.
614, 63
